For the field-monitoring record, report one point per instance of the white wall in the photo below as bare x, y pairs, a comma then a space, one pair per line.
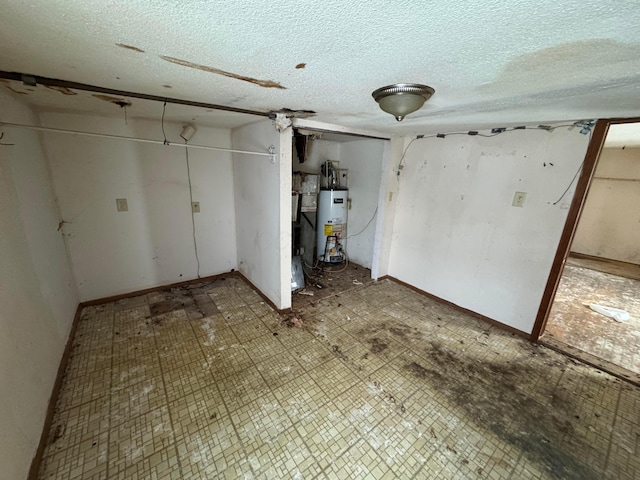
363, 158
37, 293
387, 203
456, 234
151, 244
610, 223
263, 209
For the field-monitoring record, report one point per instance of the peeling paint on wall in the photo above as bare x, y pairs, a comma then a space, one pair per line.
204, 68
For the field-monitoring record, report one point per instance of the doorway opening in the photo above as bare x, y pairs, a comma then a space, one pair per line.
335, 194
591, 307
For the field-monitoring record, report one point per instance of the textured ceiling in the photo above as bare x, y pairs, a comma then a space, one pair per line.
492, 63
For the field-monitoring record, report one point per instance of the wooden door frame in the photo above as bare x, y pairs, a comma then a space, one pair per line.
579, 198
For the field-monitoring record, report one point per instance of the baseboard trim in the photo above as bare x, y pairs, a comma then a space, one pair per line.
477, 315
53, 399
159, 288
263, 296
37, 459
591, 360
593, 257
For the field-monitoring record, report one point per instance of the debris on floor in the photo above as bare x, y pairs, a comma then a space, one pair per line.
575, 328
291, 320
398, 390
615, 313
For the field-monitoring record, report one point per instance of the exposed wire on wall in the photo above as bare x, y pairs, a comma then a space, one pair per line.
573, 179
164, 108
366, 226
193, 219
585, 127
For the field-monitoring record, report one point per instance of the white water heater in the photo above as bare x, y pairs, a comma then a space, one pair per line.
332, 225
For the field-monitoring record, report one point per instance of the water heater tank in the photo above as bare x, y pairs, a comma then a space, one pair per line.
332, 225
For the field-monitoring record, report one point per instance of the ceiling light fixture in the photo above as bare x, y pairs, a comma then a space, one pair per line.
402, 99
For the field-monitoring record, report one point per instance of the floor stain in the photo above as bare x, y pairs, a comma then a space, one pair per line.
377, 345
217, 71
495, 395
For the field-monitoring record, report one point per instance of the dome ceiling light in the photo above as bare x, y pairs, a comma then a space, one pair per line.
402, 99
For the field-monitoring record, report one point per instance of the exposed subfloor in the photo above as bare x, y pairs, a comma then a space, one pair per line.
379, 382
573, 323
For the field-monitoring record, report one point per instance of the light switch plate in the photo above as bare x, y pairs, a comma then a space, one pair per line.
518, 199
121, 205
195, 207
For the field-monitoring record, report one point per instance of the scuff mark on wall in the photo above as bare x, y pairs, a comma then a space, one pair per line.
129, 47
204, 68
62, 90
121, 102
167, 86
301, 65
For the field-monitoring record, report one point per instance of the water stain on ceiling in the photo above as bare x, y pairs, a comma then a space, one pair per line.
129, 47
121, 102
62, 90
217, 71
565, 65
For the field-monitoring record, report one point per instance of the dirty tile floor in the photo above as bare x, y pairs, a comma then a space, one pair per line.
378, 382
573, 323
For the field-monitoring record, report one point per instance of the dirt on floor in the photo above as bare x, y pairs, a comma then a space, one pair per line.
329, 280
573, 323
518, 402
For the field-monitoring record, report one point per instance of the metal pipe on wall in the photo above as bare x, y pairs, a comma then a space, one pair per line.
134, 139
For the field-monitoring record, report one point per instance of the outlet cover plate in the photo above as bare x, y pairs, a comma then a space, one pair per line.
518, 199
121, 205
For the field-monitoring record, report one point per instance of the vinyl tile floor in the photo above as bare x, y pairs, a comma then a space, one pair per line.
377, 382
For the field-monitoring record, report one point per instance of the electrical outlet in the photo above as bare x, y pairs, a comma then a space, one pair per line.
121, 205
195, 207
518, 199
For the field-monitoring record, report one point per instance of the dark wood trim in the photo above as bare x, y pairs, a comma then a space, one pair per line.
54, 82
488, 320
593, 257
570, 225
53, 399
137, 293
591, 360
264, 297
